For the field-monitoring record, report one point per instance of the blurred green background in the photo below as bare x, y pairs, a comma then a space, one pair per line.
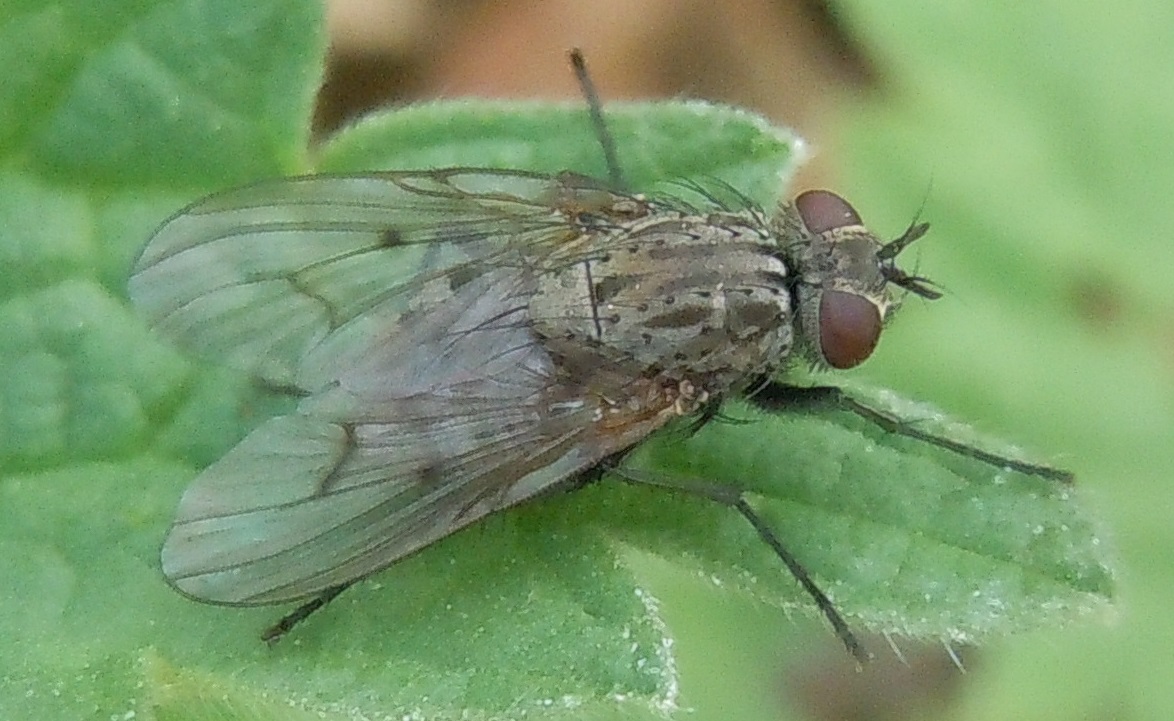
1030, 135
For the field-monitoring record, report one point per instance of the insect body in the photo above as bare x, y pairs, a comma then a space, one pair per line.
463, 339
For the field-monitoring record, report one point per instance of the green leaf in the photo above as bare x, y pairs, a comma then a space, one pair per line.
657, 142
115, 115
180, 94
910, 539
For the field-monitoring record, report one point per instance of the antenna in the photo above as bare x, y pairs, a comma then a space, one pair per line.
606, 140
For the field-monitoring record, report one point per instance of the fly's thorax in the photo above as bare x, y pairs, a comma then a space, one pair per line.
702, 298
842, 273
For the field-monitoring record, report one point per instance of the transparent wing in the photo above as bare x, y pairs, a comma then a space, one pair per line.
258, 277
304, 504
400, 303
459, 413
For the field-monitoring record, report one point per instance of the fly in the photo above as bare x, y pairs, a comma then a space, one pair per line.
553, 322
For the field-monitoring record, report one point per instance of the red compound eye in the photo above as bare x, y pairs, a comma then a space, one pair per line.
849, 328
823, 210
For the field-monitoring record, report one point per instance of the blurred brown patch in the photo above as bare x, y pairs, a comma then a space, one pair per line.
787, 59
1096, 301
828, 686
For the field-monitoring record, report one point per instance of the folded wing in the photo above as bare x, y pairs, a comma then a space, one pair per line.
257, 277
460, 413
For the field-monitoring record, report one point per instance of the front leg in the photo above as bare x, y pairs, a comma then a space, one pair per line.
774, 396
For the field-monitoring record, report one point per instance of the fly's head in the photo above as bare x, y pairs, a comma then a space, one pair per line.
844, 277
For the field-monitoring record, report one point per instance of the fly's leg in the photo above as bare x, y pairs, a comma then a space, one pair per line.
733, 498
782, 397
607, 141
274, 633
